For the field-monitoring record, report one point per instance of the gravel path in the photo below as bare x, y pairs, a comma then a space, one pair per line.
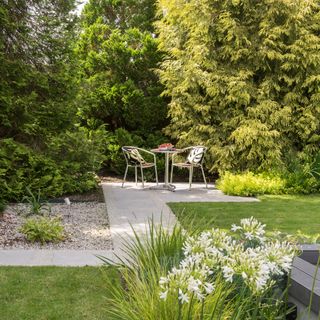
86, 225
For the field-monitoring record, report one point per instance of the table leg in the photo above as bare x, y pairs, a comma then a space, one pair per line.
166, 185
166, 170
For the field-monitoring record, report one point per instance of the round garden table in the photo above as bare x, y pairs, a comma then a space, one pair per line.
167, 153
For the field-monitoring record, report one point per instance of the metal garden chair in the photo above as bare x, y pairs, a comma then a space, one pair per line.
135, 159
194, 159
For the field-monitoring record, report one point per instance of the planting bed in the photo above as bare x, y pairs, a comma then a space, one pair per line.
86, 225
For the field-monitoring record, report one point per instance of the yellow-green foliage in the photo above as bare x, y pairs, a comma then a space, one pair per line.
43, 229
250, 184
243, 78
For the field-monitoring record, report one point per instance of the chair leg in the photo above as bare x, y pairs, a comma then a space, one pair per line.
142, 179
204, 177
190, 176
156, 173
125, 175
136, 174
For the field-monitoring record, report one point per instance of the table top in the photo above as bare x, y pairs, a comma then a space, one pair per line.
172, 150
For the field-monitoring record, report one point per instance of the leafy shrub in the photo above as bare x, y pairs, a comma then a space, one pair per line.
303, 174
43, 229
250, 184
162, 275
66, 165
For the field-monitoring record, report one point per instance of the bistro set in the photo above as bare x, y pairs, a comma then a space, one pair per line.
194, 159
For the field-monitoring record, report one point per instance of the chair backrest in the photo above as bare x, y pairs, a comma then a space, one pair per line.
196, 155
132, 156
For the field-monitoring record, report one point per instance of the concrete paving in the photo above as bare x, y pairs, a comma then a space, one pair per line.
128, 208
132, 207
38, 257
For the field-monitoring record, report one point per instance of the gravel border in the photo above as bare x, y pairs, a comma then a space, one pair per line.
86, 225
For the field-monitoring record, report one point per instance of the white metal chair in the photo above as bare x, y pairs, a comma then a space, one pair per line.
194, 159
135, 159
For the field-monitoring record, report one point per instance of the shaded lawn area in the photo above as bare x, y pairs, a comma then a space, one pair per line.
57, 293
286, 213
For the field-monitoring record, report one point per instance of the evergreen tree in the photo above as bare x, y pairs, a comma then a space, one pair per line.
243, 78
41, 145
117, 52
37, 73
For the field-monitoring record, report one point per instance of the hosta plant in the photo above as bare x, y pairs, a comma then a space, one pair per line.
43, 229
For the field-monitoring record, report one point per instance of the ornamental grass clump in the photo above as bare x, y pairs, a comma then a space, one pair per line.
209, 275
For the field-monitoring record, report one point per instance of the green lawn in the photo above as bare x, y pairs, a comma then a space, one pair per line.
284, 213
53, 293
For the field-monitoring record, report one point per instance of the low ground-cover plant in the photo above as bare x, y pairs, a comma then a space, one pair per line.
250, 184
43, 229
216, 275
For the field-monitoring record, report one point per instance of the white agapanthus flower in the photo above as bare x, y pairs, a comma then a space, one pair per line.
209, 287
249, 235
228, 273
235, 228
183, 297
163, 295
250, 255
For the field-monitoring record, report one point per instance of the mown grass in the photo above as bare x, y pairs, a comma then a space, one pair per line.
54, 293
286, 213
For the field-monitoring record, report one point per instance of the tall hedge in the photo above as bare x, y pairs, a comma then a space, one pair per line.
41, 144
243, 77
118, 52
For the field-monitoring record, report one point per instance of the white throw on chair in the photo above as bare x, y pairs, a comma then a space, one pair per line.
194, 159
135, 159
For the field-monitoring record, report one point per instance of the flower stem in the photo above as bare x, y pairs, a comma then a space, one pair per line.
202, 308
190, 306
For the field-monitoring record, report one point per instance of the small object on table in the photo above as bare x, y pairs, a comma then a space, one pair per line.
167, 149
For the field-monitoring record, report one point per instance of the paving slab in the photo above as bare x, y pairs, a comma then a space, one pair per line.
132, 206
21, 257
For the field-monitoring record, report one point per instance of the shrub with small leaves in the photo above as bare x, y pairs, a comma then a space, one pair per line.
250, 184
43, 229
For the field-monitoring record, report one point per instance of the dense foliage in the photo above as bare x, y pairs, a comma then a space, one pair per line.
243, 76
117, 53
250, 184
211, 275
240, 76
41, 145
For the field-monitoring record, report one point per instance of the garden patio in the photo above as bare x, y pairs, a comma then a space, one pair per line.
96, 94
